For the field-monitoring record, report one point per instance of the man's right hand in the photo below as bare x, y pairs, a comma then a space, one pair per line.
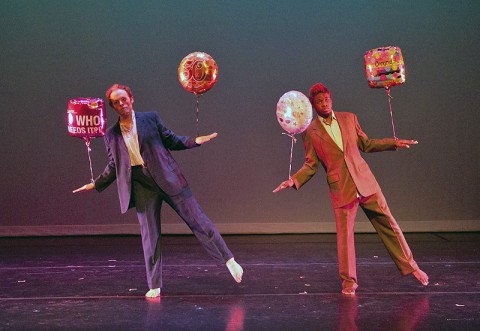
284, 185
86, 187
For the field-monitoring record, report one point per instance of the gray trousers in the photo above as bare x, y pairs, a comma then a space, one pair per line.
148, 198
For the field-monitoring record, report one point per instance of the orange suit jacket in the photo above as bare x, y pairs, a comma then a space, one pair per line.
347, 172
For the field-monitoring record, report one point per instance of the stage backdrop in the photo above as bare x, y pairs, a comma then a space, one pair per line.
52, 51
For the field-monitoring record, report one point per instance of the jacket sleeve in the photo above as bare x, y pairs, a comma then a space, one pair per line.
367, 145
310, 166
170, 140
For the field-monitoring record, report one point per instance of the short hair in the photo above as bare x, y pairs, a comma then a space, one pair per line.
117, 87
316, 89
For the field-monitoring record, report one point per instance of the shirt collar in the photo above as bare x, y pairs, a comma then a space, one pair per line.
334, 117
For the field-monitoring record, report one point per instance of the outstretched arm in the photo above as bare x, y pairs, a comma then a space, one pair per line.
379, 145
307, 171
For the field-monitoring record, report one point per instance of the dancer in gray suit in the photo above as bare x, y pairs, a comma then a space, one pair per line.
138, 148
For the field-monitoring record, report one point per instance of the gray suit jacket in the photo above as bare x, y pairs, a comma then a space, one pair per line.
155, 142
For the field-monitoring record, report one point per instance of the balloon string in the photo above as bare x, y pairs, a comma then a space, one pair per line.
291, 153
197, 111
389, 97
87, 142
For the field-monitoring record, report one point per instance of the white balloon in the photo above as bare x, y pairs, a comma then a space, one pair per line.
294, 112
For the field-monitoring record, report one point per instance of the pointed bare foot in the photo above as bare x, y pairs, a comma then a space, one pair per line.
235, 269
153, 293
421, 276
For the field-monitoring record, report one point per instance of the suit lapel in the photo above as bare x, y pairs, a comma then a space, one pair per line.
140, 129
320, 130
343, 129
117, 134
117, 140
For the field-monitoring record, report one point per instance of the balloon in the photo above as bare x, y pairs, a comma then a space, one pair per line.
384, 67
294, 112
86, 118
197, 72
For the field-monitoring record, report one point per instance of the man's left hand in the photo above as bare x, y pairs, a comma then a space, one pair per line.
203, 139
405, 143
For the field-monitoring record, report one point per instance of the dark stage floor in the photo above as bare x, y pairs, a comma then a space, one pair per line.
290, 283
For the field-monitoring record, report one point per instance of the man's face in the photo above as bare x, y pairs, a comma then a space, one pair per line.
122, 103
323, 104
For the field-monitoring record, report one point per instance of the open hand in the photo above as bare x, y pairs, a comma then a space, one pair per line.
203, 139
86, 187
405, 143
284, 185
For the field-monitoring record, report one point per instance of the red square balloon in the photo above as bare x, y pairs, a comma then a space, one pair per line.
384, 67
86, 117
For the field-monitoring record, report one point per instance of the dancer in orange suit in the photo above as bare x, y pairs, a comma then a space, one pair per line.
334, 141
